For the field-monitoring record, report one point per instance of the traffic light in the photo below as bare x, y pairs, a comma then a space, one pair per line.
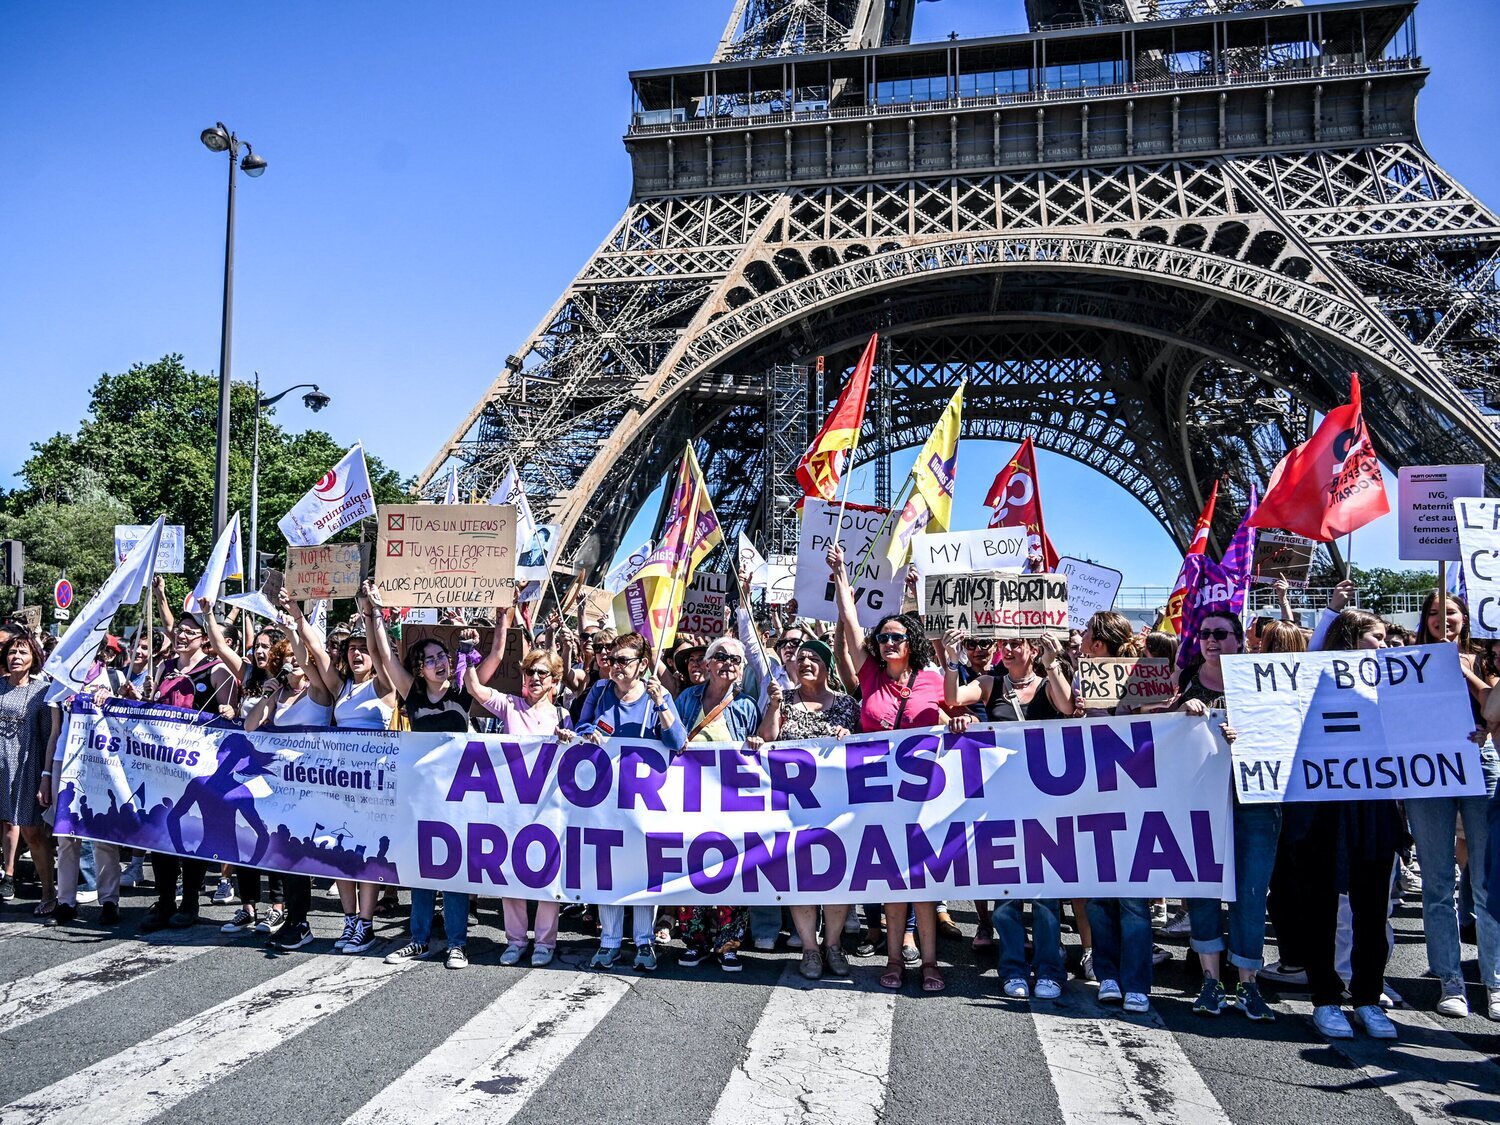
12, 563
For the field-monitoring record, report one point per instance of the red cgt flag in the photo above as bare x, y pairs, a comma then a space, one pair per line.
1329, 485
1017, 500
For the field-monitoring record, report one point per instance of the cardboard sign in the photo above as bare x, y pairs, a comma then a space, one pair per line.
169, 552
1091, 589
596, 607
703, 605
782, 580
995, 604
441, 555
1282, 554
1372, 724
877, 585
1478, 525
333, 570
507, 677
960, 552
1425, 496
1142, 683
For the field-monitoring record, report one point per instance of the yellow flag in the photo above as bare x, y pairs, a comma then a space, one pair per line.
929, 503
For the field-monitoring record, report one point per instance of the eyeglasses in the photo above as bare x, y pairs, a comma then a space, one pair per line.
1216, 634
434, 661
790, 642
537, 673
891, 638
728, 658
971, 643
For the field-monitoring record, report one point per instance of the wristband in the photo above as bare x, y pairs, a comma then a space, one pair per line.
46, 773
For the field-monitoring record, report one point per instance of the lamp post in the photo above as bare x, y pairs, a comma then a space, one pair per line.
314, 400
220, 139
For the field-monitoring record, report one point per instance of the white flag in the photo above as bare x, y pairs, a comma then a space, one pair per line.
341, 498
624, 570
451, 496
751, 559
512, 491
223, 564
255, 602
74, 655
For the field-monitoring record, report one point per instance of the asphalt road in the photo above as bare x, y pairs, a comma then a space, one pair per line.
192, 1026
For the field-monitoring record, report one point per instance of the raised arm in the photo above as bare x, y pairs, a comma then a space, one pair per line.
231, 660
1284, 599
852, 652
956, 694
474, 684
387, 666
307, 642
1059, 685
168, 622
491, 662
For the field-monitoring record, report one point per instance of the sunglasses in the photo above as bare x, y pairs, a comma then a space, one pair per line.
619, 658
979, 644
891, 638
1216, 634
537, 673
728, 658
790, 642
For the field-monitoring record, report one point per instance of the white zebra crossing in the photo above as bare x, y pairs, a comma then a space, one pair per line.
488, 1069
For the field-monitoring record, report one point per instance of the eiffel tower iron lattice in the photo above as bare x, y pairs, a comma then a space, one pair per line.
1153, 235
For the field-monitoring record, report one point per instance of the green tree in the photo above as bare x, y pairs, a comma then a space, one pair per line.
72, 532
148, 442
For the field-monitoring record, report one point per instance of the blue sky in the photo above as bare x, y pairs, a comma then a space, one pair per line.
437, 175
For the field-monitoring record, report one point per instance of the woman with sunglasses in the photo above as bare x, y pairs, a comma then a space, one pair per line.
1256, 830
534, 712
813, 710
901, 688
595, 657
631, 703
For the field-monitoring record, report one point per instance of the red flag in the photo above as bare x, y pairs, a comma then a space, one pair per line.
825, 460
1171, 620
1329, 485
1017, 499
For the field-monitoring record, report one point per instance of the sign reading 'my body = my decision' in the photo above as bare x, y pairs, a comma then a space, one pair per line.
438, 555
1389, 723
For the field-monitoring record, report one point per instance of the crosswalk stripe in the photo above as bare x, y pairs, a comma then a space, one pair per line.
1119, 1068
156, 1074
32, 926
73, 982
487, 1070
821, 1052
1430, 1073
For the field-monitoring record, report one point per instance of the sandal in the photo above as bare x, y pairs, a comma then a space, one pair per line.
45, 908
893, 976
948, 928
932, 980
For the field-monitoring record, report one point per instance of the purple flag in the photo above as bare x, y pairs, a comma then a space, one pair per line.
1210, 589
1240, 555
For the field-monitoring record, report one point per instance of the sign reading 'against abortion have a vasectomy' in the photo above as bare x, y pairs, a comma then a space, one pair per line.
1388, 723
437, 555
995, 605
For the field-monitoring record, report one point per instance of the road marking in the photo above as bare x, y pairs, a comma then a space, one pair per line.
142, 1081
84, 978
1119, 1067
820, 1053
487, 1070
1430, 1073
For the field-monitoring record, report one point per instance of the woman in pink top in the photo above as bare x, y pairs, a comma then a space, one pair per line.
900, 688
534, 712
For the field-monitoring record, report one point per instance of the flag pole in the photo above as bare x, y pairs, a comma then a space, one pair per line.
744, 588
884, 523
838, 527
691, 520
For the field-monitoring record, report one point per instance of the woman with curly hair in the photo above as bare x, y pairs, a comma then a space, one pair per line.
901, 688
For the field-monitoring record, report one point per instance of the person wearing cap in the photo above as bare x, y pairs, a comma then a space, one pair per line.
811, 709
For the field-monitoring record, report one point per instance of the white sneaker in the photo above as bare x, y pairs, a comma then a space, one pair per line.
1047, 989
1494, 1003
1178, 926
1158, 915
1390, 998
765, 944
1137, 1003
1376, 1023
1016, 990
224, 893
1330, 1020
87, 896
1455, 1001
1109, 992
512, 954
541, 956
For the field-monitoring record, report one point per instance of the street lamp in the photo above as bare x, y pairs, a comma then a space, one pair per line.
220, 139
314, 400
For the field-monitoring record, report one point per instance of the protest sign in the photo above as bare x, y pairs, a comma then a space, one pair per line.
1281, 554
169, 555
1091, 589
439, 555
995, 604
1425, 494
1478, 524
958, 552
1100, 808
1368, 724
1139, 683
507, 677
703, 605
782, 581
333, 570
958, 601
596, 607
877, 585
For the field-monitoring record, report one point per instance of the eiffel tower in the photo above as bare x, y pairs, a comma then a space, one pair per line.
1154, 235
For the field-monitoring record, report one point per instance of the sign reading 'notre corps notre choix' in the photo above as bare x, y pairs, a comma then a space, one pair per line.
440, 555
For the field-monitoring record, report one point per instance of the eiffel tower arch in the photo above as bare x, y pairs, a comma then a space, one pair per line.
1154, 235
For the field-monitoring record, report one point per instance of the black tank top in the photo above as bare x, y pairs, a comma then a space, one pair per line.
1003, 708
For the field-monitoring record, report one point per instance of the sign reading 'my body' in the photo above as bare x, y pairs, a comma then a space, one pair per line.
1388, 723
1075, 809
438, 555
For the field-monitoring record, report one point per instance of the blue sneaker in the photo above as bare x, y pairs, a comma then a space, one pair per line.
1211, 999
605, 958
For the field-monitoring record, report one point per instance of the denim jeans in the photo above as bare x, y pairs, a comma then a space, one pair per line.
1046, 939
1122, 942
455, 916
1434, 826
1256, 830
88, 876
765, 922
